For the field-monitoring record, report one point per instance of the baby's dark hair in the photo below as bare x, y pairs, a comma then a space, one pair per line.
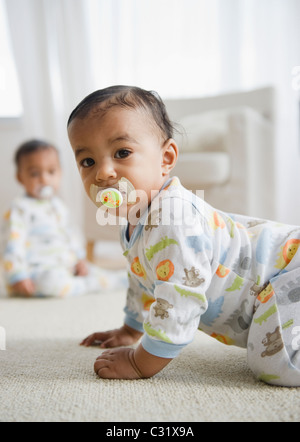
126, 97
30, 147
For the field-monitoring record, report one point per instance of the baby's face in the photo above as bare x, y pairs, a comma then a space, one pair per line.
39, 169
121, 143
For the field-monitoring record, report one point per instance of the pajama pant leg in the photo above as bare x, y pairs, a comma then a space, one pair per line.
274, 336
60, 282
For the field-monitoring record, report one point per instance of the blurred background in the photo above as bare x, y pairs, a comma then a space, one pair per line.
221, 65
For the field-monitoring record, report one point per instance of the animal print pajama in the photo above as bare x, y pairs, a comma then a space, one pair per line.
234, 277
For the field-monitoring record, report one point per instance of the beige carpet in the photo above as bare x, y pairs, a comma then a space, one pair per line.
47, 376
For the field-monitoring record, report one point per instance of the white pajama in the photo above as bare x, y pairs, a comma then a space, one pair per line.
234, 277
42, 245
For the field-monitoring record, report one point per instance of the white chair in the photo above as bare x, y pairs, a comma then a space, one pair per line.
227, 149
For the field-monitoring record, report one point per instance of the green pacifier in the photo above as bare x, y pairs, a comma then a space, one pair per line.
111, 198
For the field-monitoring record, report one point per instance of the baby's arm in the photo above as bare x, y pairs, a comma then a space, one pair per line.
147, 364
15, 262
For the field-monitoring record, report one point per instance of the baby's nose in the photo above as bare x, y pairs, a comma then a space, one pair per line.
106, 171
44, 180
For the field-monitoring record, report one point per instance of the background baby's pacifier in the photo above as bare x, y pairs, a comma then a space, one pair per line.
46, 192
111, 198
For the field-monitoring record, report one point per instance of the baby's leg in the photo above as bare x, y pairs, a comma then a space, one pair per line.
110, 279
274, 337
60, 283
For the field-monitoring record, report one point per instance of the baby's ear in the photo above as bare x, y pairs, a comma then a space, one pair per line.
18, 177
169, 156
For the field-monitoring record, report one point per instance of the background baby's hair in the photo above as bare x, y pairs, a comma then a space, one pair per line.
30, 147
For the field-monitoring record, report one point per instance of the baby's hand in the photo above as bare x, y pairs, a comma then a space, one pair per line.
23, 288
127, 363
117, 364
81, 268
114, 338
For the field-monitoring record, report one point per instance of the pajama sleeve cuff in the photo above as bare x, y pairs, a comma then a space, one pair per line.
161, 349
134, 324
17, 277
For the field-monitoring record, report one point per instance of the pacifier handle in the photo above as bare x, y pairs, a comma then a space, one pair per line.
46, 192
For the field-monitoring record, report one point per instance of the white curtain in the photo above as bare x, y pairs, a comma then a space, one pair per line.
51, 51
182, 48
168, 45
193, 47
10, 102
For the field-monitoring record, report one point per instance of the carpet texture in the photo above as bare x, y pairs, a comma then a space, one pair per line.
47, 377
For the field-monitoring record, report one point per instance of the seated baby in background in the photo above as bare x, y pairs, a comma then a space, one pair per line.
43, 255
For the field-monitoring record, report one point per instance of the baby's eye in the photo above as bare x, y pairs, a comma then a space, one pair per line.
34, 174
88, 162
122, 153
